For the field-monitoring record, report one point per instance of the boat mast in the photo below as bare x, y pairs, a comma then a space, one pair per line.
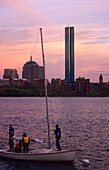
45, 87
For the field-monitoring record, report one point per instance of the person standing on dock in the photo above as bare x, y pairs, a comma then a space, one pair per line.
11, 134
26, 143
57, 132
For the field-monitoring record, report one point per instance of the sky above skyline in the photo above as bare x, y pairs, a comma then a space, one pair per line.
20, 21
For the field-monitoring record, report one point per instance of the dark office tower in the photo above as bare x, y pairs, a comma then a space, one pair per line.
69, 54
100, 79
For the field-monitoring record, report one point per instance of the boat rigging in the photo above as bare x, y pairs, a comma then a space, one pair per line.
42, 154
48, 124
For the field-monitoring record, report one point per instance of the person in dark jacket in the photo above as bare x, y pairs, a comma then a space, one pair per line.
57, 132
11, 134
26, 143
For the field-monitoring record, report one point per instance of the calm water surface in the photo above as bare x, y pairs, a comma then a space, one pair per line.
84, 124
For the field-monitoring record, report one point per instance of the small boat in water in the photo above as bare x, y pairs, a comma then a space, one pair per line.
41, 154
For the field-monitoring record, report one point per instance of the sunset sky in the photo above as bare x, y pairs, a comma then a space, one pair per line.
20, 21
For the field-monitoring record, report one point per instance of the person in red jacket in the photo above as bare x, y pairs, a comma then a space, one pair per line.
18, 146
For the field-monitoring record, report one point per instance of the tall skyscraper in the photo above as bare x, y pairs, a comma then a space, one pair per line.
69, 54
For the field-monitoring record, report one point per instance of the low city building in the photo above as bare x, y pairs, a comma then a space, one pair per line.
32, 71
82, 85
18, 82
4, 82
10, 74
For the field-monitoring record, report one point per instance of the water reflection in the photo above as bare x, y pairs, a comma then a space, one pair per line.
84, 124
24, 165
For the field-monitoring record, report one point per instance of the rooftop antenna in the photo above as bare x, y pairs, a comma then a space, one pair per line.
30, 58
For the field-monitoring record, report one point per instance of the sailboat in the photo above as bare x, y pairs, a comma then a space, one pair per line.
41, 154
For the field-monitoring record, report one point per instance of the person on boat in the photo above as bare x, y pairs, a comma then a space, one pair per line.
18, 146
26, 143
11, 134
57, 132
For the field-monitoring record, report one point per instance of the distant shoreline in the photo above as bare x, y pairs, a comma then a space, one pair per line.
35, 92
55, 96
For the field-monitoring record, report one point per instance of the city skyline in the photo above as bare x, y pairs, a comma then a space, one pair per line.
19, 29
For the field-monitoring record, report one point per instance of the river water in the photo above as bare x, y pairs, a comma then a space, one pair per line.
84, 123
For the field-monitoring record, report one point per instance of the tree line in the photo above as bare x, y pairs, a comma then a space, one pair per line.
36, 92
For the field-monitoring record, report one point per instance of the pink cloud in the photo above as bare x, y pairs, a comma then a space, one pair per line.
9, 3
20, 22
24, 14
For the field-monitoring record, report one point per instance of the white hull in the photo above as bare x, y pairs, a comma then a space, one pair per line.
41, 155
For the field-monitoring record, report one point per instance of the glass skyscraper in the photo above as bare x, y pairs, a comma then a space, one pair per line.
69, 54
